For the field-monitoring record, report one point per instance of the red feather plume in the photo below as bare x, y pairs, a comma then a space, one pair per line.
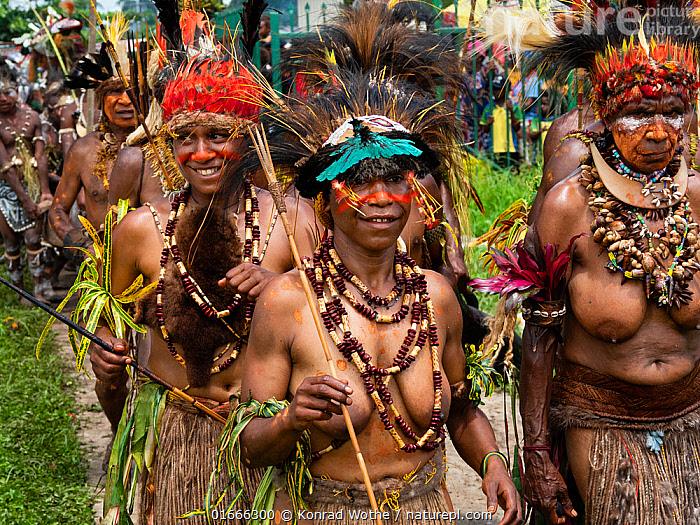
212, 85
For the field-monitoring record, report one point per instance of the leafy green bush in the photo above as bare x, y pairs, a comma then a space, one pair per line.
498, 189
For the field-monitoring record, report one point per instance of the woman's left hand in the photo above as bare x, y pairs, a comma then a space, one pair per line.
501, 491
247, 279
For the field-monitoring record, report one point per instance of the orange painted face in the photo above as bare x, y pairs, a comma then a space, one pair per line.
378, 211
118, 109
647, 133
201, 154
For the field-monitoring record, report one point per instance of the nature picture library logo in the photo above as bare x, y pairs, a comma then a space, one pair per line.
666, 20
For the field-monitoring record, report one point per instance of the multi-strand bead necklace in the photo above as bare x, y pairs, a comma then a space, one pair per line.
251, 253
327, 270
623, 232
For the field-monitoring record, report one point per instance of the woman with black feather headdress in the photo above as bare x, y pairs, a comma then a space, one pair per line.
392, 42
359, 151
619, 417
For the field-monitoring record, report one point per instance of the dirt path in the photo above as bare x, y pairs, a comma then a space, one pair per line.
95, 434
463, 483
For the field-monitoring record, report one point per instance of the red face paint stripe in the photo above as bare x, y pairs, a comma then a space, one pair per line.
203, 155
374, 197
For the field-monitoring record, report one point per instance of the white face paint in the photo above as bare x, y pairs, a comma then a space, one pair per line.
630, 123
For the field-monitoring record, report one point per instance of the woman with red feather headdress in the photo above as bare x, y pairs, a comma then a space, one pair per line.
209, 249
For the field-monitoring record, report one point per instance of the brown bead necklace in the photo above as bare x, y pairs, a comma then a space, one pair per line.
326, 270
251, 253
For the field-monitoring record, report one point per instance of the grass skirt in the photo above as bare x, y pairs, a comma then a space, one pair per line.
183, 463
645, 455
419, 498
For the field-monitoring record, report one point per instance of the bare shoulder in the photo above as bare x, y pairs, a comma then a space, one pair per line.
139, 222
563, 212
129, 157
301, 210
442, 294
85, 145
282, 294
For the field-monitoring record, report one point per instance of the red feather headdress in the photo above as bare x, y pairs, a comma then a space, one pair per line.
212, 89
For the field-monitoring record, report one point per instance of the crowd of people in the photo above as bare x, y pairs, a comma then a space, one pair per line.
307, 307
501, 120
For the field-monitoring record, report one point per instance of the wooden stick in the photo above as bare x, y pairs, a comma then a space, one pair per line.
263, 151
132, 96
100, 342
465, 48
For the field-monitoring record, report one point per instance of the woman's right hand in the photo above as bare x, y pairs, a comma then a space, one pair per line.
317, 399
107, 366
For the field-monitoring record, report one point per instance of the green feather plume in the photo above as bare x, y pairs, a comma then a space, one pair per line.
366, 144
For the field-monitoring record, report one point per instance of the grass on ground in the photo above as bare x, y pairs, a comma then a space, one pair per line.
42, 474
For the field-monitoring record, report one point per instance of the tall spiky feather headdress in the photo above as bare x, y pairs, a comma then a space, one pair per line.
625, 59
370, 38
422, 134
96, 70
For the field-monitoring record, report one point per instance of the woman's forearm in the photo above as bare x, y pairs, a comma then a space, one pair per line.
268, 441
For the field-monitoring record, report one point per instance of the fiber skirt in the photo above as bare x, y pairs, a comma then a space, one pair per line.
418, 498
182, 466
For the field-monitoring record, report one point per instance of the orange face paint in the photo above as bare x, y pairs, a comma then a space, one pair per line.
203, 156
374, 197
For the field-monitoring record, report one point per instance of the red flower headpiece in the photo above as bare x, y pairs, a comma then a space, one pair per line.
640, 70
212, 85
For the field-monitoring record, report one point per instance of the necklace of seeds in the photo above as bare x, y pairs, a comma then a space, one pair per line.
251, 253
26, 125
622, 231
324, 271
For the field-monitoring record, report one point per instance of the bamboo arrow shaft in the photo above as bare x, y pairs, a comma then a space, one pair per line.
262, 149
104, 344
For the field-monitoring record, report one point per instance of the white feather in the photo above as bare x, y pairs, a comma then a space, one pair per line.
518, 29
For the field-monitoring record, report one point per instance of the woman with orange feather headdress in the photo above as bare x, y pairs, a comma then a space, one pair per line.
617, 315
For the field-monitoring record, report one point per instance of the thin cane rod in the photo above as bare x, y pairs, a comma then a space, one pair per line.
465, 46
130, 93
579, 98
262, 149
92, 337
